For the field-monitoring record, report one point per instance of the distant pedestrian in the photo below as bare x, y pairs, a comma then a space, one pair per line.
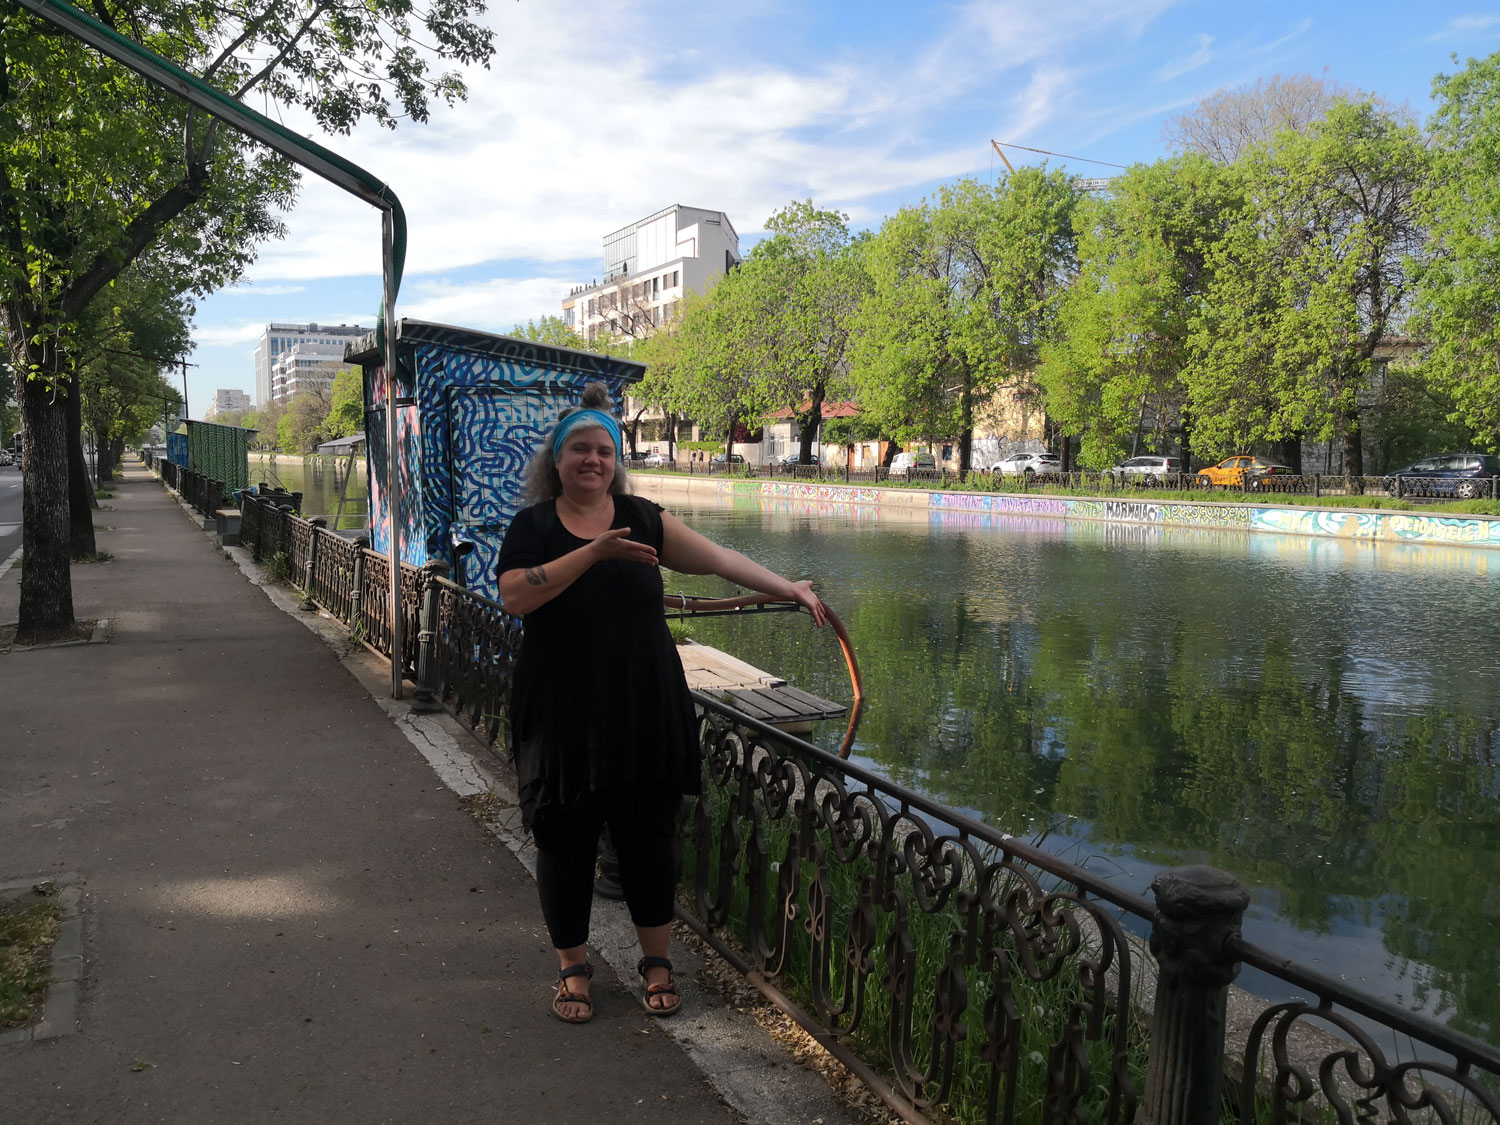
602, 728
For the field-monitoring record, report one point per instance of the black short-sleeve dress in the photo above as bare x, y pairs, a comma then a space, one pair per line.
599, 707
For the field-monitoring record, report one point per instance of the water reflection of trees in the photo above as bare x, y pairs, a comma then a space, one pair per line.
1157, 741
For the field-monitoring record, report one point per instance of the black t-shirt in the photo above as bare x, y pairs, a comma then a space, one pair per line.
599, 707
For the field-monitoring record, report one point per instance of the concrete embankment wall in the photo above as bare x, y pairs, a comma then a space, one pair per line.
1359, 525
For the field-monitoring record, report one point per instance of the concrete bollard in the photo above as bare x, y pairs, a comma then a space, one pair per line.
1198, 910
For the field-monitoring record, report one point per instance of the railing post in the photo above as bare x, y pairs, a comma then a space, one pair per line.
425, 698
357, 583
1198, 911
315, 533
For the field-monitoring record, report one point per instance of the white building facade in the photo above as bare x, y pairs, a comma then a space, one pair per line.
280, 338
648, 267
304, 367
227, 402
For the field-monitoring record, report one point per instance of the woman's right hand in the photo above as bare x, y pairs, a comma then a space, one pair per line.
614, 544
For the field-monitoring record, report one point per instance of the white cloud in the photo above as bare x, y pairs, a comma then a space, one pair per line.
1201, 56
249, 289
497, 305
228, 335
581, 125
1465, 25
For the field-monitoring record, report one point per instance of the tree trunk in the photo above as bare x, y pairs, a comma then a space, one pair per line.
1354, 457
1186, 446
812, 425
80, 493
966, 431
46, 582
104, 461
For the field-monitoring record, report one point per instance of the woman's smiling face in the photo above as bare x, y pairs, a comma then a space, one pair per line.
587, 463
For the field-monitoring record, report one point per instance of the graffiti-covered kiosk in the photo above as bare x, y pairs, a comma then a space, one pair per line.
471, 408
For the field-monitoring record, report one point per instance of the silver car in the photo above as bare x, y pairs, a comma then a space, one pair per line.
1148, 466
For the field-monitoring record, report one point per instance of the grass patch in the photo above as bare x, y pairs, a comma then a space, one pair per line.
96, 557
681, 632
26, 937
280, 567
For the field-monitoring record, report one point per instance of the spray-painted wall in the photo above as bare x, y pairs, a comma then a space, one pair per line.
471, 409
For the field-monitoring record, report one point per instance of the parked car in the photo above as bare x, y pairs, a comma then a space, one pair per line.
1148, 466
1465, 475
1242, 471
655, 461
728, 459
635, 457
1028, 463
796, 459
904, 464
6, 458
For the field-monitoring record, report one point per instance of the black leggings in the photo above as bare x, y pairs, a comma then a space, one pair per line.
566, 845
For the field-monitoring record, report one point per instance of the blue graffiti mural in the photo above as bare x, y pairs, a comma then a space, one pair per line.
483, 404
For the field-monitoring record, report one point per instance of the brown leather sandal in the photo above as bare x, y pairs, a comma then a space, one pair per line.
565, 996
668, 989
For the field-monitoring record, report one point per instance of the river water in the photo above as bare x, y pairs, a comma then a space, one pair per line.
1319, 717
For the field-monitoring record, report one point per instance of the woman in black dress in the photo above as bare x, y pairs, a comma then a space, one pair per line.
602, 728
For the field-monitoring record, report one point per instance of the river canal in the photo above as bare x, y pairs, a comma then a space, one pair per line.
1319, 717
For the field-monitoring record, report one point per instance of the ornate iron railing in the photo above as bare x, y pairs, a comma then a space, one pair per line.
948, 963
333, 574
475, 644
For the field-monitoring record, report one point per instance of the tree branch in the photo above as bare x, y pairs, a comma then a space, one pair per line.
110, 261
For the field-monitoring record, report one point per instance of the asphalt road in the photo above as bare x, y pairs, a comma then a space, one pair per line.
10, 510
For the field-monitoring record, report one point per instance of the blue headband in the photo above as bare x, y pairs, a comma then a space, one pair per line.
585, 418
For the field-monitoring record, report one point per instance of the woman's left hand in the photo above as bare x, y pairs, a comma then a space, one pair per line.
802, 592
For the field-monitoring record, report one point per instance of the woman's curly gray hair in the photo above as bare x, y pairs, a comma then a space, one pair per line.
542, 481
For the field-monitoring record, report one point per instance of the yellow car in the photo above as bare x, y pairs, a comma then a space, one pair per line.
1241, 472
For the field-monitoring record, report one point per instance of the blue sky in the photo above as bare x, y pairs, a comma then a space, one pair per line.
592, 115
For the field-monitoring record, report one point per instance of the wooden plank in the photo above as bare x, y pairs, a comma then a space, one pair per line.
812, 702
767, 702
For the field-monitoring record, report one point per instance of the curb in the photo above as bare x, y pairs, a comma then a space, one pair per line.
60, 1013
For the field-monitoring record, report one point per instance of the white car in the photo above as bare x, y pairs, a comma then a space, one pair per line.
6, 458
655, 460
905, 464
1018, 463
1149, 466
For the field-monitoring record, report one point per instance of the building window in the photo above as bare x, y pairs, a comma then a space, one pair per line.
676, 278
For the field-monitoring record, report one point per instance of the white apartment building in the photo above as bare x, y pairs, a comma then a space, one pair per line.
279, 338
227, 402
304, 367
648, 267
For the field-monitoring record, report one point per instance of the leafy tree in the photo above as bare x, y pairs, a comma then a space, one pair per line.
1227, 123
1307, 280
98, 168
797, 294
1458, 293
964, 290
1113, 370
346, 412
552, 330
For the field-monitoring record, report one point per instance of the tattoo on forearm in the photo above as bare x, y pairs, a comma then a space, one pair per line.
536, 575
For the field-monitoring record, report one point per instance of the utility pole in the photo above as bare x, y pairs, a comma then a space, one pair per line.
185, 366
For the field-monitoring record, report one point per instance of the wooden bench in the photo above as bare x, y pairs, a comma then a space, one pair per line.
758, 694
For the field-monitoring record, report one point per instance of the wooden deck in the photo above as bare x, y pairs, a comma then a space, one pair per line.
758, 694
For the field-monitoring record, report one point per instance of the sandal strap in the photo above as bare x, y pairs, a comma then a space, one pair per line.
661, 990
566, 997
582, 969
653, 963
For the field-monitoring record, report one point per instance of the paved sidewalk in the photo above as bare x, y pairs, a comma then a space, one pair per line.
285, 914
